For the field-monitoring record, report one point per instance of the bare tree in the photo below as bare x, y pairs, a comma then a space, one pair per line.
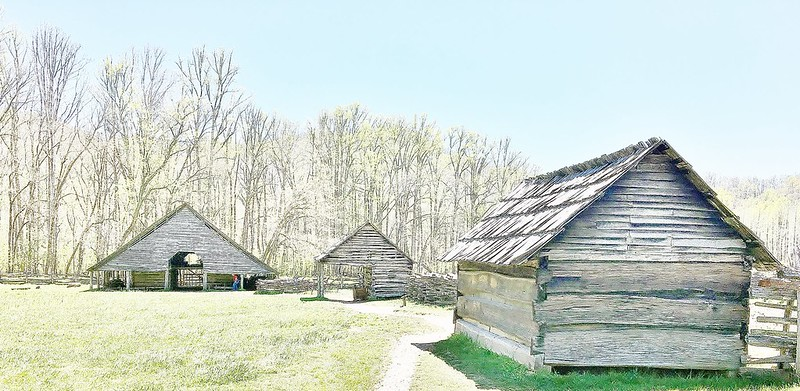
145, 137
59, 92
14, 98
208, 87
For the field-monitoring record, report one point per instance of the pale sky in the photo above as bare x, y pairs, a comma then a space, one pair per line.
565, 80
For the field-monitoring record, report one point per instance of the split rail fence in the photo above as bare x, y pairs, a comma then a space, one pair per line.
780, 330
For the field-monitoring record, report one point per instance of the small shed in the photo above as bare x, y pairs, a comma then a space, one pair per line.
180, 250
626, 260
385, 268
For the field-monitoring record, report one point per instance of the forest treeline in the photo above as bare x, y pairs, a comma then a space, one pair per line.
92, 156
95, 155
770, 207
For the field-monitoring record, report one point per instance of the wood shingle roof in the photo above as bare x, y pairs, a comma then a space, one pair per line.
538, 209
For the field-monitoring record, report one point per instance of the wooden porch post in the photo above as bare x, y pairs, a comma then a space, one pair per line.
128, 278
91, 280
320, 284
205, 280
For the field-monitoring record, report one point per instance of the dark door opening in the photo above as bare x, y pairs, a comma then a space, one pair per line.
186, 271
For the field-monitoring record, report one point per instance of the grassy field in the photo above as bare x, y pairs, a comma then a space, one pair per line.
68, 338
489, 370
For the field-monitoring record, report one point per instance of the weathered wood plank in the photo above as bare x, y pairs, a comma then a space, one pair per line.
479, 283
771, 341
772, 333
772, 305
598, 212
561, 310
776, 320
589, 256
587, 277
148, 279
639, 347
515, 319
526, 271
770, 360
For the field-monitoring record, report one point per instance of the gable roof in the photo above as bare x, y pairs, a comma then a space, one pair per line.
360, 247
539, 208
143, 235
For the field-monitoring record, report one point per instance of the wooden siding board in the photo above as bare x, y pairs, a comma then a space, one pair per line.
512, 318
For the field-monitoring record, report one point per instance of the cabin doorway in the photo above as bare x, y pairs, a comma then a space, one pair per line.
185, 271
362, 290
367, 280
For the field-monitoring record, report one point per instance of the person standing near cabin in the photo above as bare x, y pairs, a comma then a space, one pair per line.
236, 282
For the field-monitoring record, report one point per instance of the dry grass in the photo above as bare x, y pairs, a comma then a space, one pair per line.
62, 338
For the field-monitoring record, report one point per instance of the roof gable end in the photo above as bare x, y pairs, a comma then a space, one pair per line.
360, 244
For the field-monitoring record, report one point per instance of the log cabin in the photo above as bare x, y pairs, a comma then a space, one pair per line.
626, 260
182, 250
384, 268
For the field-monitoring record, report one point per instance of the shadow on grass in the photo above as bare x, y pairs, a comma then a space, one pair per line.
490, 370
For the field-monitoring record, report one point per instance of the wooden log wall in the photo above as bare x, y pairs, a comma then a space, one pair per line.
432, 289
499, 303
649, 275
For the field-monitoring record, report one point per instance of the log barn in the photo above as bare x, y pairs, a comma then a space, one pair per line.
182, 250
382, 266
626, 260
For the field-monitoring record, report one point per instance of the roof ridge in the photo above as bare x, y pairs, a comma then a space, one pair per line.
598, 161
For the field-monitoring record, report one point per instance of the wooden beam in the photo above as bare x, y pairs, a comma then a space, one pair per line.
320, 277
128, 278
770, 360
205, 280
779, 283
773, 305
776, 320
166, 279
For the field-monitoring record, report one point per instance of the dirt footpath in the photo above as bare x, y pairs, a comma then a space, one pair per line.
405, 355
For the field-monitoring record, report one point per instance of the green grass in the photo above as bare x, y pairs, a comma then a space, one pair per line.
490, 370
60, 338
